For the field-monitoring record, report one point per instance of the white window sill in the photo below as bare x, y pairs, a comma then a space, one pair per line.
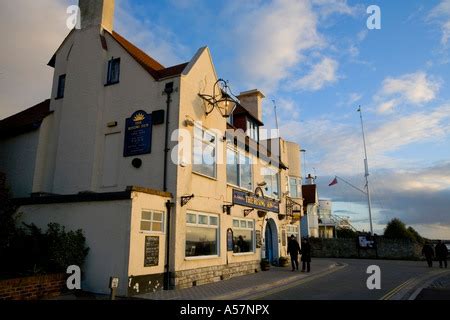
201, 258
204, 175
244, 254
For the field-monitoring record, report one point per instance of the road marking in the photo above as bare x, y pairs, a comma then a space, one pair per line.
391, 293
297, 282
417, 279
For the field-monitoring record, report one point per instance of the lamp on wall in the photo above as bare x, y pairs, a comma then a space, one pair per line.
222, 99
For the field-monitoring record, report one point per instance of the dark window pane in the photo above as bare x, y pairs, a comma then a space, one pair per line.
243, 241
113, 71
201, 241
61, 86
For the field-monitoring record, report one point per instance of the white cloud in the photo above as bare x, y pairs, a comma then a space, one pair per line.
329, 7
271, 39
31, 31
337, 148
353, 98
362, 35
387, 106
321, 74
441, 14
156, 41
415, 88
445, 33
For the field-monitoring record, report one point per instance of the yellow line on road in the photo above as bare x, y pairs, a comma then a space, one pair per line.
296, 283
394, 291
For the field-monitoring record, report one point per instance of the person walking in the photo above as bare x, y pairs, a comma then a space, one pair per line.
306, 255
441, 253
293, 250
428, 252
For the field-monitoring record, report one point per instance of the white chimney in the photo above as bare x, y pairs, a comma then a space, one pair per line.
252, 101
310, 179
97, 13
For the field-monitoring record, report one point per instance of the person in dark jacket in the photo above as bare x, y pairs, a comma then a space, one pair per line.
441, 253
293, 250
306, 255
428, 252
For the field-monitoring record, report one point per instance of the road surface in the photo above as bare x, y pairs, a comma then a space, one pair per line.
399, 280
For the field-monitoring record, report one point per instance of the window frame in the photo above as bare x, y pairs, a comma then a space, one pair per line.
195, 147
60, 90
206, 226
252, 129
278, 180
238, 154
297, 185
163, 222
253, 233
109, 81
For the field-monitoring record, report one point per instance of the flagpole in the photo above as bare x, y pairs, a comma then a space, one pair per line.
366, 166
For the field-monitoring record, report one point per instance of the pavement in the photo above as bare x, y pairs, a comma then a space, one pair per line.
330, 279
244, 287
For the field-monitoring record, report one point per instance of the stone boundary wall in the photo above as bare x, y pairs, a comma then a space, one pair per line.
196, 277
390, 249
33, 288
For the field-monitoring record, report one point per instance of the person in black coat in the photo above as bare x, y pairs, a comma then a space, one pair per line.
441, 253
293, 250
428, 252
306, 255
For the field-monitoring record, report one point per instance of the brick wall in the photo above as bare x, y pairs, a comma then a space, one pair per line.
200, 276
33, 288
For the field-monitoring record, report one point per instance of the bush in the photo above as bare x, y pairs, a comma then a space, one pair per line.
396, 229
33, 252
346, 234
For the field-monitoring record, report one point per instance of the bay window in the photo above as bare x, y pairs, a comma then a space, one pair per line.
202, 235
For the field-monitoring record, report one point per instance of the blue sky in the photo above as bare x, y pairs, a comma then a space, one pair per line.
318, 61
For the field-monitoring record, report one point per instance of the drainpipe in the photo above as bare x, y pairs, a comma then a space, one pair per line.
168, 90
167, 272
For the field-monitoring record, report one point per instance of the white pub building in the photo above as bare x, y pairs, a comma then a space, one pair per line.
166, 173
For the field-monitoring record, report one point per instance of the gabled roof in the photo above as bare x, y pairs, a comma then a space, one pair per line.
27, 120
156, 69
309, 192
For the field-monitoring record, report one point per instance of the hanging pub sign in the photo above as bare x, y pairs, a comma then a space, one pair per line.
138, 134
255, 200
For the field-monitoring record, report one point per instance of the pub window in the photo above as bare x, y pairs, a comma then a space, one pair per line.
271, 178
202, 235
243, 235
61, 86
239, 169
113, 71
252, 130
152, 221
294, 185
291, 230
204, 152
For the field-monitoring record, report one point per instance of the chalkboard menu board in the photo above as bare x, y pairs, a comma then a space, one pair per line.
258, 239
151, 254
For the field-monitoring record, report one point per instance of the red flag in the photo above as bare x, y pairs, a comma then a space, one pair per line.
333, 182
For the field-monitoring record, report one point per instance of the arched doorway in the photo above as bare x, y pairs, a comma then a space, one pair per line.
271, 241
